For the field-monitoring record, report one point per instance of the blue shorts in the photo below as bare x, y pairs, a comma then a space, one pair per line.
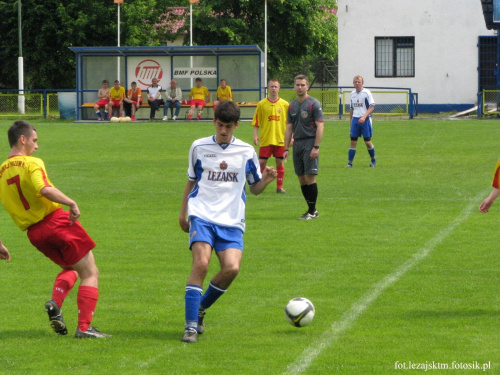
217, 236
358, 130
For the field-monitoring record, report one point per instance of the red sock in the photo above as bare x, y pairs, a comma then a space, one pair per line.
63, 285
281, 175
87, 301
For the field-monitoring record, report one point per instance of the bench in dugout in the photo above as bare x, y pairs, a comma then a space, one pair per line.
185, 106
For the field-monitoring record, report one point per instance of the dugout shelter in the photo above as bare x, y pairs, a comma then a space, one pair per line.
241, 66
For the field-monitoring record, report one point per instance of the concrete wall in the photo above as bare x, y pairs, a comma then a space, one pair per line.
446, 54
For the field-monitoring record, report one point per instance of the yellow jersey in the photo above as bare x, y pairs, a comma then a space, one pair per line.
496, 176
115, 94
271, 118
199, 93
21, 180
224, 93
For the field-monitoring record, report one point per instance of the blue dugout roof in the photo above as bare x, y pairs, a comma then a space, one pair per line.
168, 51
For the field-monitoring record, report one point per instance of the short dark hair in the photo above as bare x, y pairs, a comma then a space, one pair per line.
198, 79
227, 111
301, 76
105, 81
17, 129
134, 83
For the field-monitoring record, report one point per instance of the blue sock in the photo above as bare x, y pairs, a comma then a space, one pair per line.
371, 151
351, 154
98, 113
192, 303
211, 295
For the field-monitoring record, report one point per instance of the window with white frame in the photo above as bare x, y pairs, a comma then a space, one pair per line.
395, 56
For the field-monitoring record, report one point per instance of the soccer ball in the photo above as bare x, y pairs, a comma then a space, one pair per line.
122, 119
114, 119
127, 119
299, 312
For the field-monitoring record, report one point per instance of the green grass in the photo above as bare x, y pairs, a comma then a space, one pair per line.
128, 180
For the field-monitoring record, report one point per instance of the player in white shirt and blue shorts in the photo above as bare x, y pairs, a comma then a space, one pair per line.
362, 105
213, 210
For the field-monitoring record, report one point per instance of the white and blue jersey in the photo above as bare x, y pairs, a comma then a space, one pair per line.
221, 173
360, 102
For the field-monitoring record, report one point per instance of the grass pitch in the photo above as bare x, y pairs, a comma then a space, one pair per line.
402, 268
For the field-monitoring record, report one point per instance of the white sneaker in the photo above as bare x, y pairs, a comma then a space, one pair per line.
165, 118
174, 118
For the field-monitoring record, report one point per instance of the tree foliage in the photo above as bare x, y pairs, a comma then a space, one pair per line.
299, 32
50, 27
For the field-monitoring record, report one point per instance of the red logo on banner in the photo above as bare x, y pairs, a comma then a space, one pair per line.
146, 70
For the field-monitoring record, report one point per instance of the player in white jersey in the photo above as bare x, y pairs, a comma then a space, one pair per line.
362, 105
213, 210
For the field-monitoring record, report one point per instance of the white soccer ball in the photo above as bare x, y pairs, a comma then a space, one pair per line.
299, 312
127, 119
122, 119
114, 119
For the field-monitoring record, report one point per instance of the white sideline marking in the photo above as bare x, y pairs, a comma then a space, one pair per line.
349, 317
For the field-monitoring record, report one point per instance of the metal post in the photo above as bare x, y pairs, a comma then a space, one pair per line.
118, 58
265, 46
20, 99
191, 38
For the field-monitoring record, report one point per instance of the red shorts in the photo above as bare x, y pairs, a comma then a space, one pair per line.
198, 102
102, 103
63, 243
116, 103
271, 150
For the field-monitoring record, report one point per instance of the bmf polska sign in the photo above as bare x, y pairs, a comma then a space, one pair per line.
195, 72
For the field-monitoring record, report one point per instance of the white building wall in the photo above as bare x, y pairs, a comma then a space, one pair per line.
446, 36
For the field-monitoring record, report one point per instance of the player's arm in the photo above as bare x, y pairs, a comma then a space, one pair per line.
128, 99
255, 124
488, 202
320, 126
368, 112
56, 195
158, 95
183, 221
4, 252
288, 139
351, 111
256, 138
268, 175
